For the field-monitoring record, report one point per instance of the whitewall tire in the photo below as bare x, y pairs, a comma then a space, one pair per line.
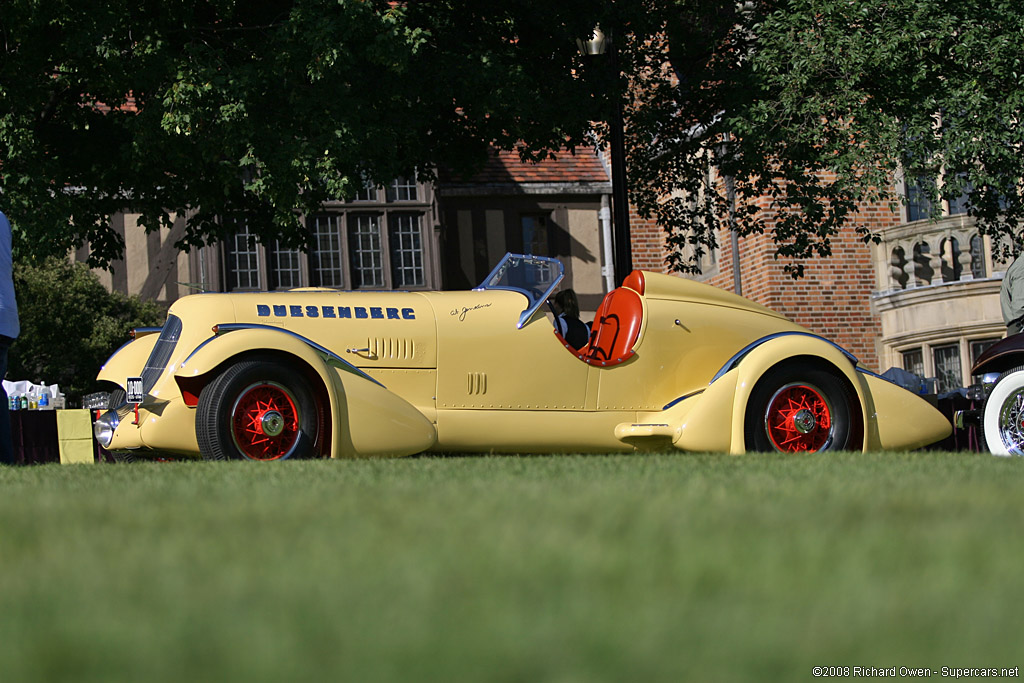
1003, 417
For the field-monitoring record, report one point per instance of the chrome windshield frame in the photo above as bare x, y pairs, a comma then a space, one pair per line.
535, 290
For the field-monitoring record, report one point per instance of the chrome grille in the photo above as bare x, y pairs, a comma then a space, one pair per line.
161, 352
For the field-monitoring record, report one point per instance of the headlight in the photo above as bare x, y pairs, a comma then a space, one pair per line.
104, 427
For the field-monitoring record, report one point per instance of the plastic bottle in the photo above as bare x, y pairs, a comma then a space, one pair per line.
44, 400
24, 402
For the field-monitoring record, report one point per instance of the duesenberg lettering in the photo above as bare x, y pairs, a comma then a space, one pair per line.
358, 312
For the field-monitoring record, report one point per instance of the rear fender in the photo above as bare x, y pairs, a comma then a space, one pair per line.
365, 418
796, 348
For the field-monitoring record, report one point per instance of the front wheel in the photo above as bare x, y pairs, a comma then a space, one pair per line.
1003, 415
257, 410
794, 410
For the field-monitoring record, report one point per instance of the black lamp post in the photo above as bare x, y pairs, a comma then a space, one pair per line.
622, 251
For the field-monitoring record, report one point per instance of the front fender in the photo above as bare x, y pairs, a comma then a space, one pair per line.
128, 360
366, 419
1004, 355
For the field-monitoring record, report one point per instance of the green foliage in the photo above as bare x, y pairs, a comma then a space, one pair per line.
564, 568
224, 110
70, 324
816, 105
256, 110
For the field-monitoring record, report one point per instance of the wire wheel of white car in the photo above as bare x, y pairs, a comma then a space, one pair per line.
1003, 416
798, 411
257, 410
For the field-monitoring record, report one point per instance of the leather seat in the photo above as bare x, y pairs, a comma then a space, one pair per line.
616, 325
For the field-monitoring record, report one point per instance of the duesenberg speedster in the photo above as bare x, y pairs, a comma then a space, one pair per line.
327, 373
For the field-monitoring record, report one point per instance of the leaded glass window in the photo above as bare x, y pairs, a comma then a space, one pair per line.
326, 258
406, 243
948, 372
364, 245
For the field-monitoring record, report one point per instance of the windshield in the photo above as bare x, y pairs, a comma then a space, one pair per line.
533, 276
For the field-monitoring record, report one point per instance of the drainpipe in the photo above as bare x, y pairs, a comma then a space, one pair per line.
604, 216
734, 238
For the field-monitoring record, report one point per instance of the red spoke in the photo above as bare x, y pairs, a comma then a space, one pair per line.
798, 419
254, 408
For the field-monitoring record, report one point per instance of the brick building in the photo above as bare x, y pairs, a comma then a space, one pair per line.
926, 298
832, 299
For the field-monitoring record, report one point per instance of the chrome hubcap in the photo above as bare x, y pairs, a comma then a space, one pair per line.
804, 421
272, 423
1011, 422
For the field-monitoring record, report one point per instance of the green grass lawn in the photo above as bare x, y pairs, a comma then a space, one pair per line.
564, 568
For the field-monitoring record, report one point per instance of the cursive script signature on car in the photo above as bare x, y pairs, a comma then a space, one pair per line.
462, 312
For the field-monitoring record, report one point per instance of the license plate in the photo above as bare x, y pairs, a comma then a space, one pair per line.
133, 389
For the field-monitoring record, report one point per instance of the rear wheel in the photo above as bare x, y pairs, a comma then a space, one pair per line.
257, 410
795, 410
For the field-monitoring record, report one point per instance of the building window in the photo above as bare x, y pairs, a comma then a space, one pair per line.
365, 251
285, 268
326, 260
913, 361
980, 346
367, 194
958, 205
535, 234
402, 190
243, 260
948, 372
977, 257
366, 243
918, 191
406, 242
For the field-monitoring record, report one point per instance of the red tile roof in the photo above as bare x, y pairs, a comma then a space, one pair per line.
506, 167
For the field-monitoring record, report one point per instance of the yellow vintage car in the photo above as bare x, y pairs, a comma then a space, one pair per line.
670, 363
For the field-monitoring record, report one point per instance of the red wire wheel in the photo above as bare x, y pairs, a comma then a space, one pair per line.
259, 409
265, 422
798, 409
798, 419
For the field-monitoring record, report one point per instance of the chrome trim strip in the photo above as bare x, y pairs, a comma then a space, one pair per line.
195, 351
865, 371
332, 357
683, 398
739, 355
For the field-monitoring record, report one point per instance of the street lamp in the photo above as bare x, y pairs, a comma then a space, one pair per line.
600, 43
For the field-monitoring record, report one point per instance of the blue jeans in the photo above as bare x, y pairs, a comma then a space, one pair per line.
6, 447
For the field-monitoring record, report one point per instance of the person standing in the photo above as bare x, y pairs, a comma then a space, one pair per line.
9, 329
1011, 297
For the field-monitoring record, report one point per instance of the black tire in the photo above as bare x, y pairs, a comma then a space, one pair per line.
798, 409
258, 410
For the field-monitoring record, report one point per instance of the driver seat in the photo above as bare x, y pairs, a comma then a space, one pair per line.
616, 325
